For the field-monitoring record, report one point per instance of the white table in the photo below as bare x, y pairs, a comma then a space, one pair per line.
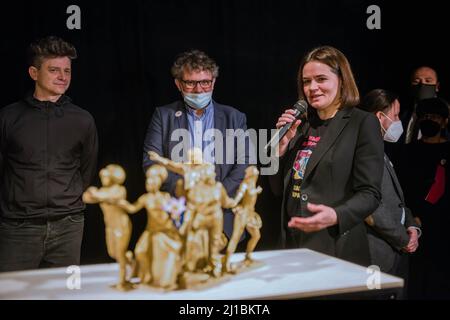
286, 274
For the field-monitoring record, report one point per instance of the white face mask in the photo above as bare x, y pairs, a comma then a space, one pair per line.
197, 100
394, 131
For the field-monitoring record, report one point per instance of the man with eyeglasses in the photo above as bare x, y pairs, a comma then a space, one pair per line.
195, 75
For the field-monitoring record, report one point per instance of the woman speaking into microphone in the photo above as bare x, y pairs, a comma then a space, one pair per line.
331, 165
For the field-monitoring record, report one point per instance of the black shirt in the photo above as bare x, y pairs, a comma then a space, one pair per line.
315, 133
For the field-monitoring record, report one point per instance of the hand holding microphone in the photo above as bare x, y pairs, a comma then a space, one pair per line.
287, 126
288, 119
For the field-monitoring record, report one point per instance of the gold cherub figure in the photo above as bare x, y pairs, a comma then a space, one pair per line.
117, 222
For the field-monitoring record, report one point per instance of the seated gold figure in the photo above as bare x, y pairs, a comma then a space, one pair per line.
245, 217
117, 222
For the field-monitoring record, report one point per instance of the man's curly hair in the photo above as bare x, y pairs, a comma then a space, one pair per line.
194, 60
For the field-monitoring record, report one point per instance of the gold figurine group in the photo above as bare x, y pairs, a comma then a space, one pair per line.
183, 240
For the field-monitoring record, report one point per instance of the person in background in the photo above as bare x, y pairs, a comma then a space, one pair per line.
424, 174
424, 84
392, 230
48, 155
195, 75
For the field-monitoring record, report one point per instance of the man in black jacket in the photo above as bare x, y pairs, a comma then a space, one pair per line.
48, 152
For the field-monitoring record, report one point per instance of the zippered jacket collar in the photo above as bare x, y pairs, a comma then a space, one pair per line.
32, 101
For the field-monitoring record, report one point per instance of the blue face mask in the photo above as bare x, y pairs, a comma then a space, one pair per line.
197, 100
394, 131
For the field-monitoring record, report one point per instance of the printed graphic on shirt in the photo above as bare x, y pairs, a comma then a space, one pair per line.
303, 156
296, 191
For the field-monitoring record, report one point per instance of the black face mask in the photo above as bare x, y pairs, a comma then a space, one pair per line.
429, 128
423, 91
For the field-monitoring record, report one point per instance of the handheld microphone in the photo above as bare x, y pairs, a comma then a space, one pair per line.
300, 107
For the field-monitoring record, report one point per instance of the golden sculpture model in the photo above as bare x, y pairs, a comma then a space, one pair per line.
205, 203
245, 218
180, 247
205, 199
117, 223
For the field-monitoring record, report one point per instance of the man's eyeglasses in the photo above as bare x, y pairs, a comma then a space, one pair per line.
191, 84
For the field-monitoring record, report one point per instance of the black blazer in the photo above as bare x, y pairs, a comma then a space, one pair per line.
344, 172
168, 118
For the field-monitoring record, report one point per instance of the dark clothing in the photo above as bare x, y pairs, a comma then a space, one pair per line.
316, 131
429, 265
387, 232
410, 125
167, 119
344, 172
47, 159
417, 174
40, 243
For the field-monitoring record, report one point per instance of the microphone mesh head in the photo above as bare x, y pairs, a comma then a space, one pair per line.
301, 106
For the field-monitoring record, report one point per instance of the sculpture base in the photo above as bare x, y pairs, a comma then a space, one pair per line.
127, 286
199, 281
196, 280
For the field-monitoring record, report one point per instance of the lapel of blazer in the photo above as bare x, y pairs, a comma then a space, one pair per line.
334, 129
390, 169
219, 124
179, 121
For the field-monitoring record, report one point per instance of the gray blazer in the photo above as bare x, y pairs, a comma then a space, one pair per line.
387, 235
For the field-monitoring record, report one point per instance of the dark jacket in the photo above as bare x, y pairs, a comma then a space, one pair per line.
344, 172
387, 232
167, 119
47, 159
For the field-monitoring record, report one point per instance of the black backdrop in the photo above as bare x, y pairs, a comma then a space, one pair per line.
126, 49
